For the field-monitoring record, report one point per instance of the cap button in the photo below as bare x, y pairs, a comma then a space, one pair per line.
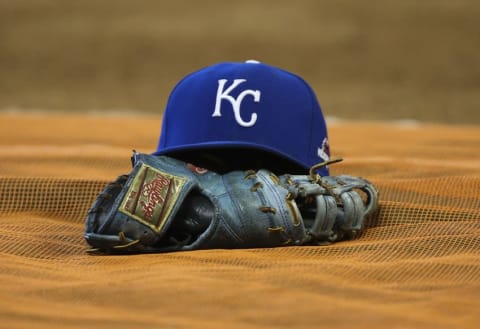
252, 61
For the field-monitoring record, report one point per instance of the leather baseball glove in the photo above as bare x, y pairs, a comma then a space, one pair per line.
168, 205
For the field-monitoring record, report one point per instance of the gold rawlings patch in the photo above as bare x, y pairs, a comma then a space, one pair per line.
151, 196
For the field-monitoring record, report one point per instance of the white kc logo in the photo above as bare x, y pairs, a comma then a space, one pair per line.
236, 102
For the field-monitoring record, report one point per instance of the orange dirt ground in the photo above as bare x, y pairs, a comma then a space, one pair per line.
416, 266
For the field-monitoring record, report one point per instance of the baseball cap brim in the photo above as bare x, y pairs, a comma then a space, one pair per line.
268, 152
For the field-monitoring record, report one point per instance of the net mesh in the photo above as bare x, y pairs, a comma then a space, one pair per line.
416, 266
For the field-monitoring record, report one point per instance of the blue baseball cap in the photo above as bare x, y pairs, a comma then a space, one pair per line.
249, 105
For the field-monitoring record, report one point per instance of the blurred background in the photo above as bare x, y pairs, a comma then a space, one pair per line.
377, 60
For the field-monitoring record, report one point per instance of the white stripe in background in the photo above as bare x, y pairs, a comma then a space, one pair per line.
57, 150
473, 164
